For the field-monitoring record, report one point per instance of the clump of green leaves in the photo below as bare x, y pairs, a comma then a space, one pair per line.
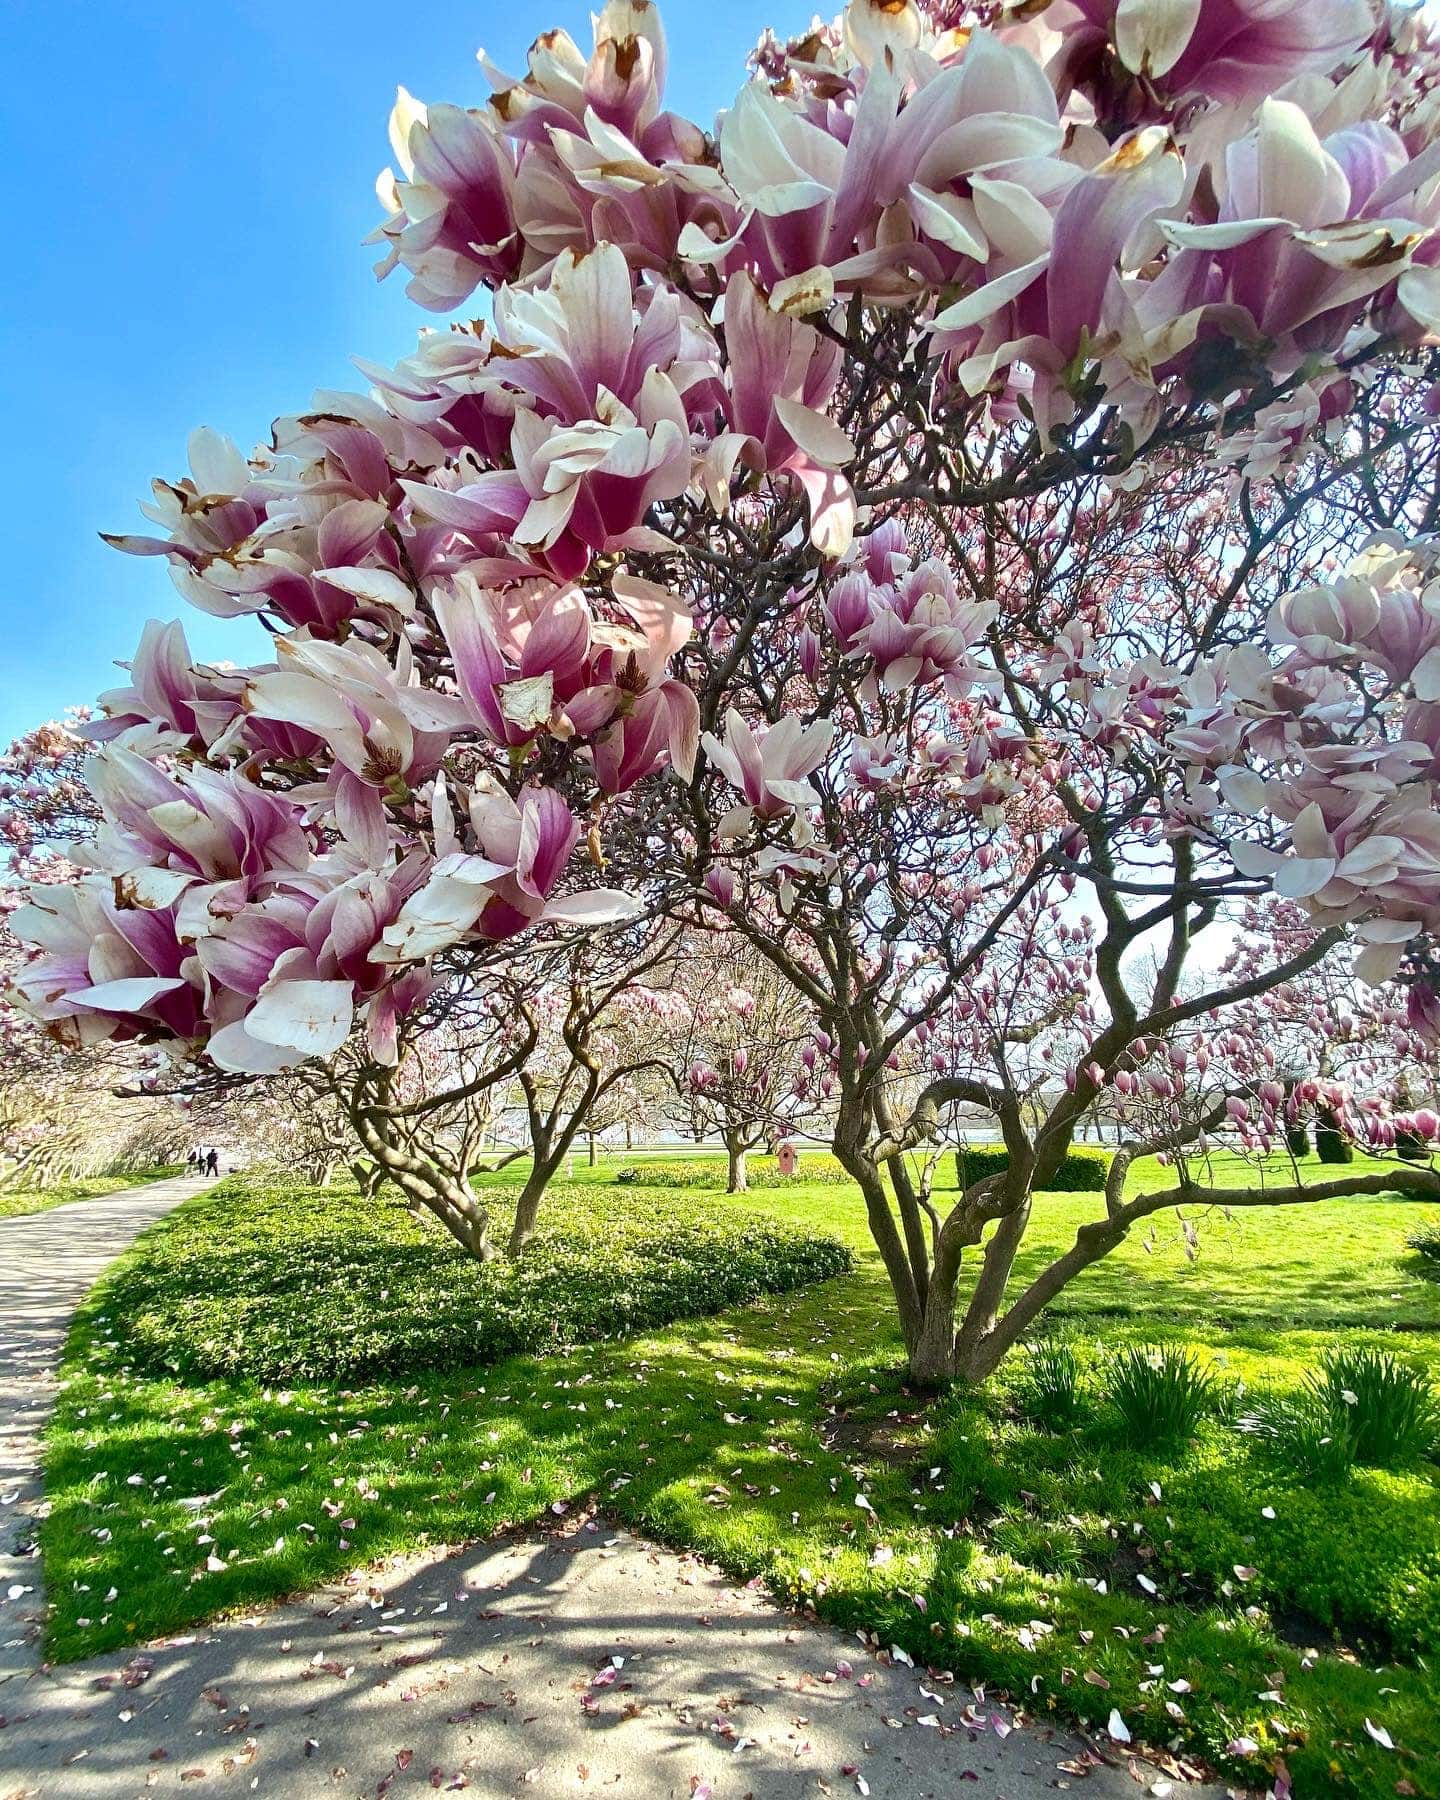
1389, 1410
1426, 1240
1160, 1394
282, 1283
1362, 1406
1299, 1432
1049, 1390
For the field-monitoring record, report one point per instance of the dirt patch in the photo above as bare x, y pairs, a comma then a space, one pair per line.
894, 1438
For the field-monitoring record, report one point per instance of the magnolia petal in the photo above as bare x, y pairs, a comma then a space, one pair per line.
529, 701
1298, 877
1426, 677
1151, 35
1419, 293
596, 906
976, 307
311, 1017
877, 29
1378, 963
800, 294
379, 586
149, 888
132, 993
832, 510
816, 436
233, 1049
1254, 860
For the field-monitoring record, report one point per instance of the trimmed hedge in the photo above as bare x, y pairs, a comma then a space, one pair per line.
282, 1283
1083, 1170
760, 1172
1331, 1143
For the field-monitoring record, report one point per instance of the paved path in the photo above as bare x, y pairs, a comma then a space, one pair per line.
48, 1262
578, 1662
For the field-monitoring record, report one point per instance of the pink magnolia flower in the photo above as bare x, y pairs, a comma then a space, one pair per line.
1306, 231
600, 429
287, 977
782, 373
506, 884
451, 210
100, 971
306, 536
1231, 50
385, 732
770, 771
920, 630
533, 658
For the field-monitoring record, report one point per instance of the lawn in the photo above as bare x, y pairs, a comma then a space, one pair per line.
1280, 1613
89, 1187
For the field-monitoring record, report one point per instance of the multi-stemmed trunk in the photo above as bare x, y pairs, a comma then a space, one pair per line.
423, 1178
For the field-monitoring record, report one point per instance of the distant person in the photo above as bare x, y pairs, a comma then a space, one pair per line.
212, 1163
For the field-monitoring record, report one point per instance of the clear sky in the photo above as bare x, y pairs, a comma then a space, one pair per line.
189, 190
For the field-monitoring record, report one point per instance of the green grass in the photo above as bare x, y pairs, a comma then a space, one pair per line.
90, 1187
749, 1436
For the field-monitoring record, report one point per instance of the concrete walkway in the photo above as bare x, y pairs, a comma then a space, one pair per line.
48, 1263
575, 1662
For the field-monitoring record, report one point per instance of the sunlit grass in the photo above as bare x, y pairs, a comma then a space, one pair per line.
16, 1202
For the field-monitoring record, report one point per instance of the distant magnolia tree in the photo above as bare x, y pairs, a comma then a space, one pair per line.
925, 524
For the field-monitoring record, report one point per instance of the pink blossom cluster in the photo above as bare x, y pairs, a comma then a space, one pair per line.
923, 265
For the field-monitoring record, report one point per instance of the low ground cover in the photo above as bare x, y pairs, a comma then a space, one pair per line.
1206, 1589
89, 1187
296, 1283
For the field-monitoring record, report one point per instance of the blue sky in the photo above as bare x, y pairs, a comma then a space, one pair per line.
189, 187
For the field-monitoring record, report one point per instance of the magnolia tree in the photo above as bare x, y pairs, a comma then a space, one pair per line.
60, 1116
740, 1043
592, 1047
883, 526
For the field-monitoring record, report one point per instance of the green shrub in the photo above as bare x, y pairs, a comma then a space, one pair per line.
1331, 1143
1082, 1171
282, 1283
710, 1174
1297, 1140
1049, 1388
1426, 1239
1161, 1394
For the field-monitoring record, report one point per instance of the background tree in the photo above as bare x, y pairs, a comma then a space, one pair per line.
740, 1043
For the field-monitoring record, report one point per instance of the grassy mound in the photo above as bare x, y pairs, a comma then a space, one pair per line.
282, 1283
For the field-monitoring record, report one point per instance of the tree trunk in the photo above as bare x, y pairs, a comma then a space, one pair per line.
932, 1355
737, 1180
424, 1183
594, 1151
527, 1209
